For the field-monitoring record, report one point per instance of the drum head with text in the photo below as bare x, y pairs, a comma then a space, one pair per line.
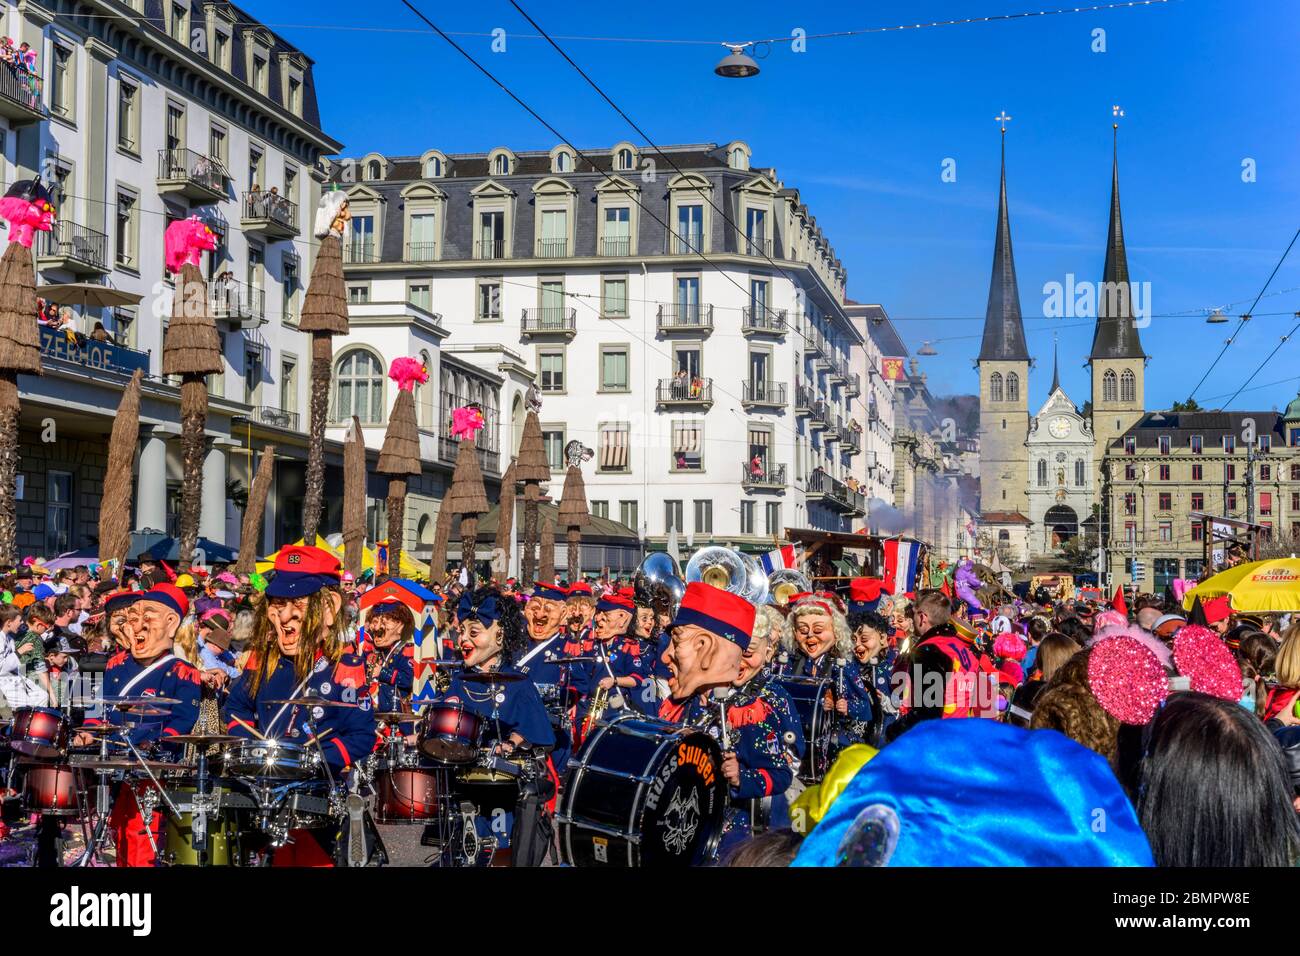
684, 803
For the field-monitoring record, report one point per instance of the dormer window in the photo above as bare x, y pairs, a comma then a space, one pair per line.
501, 166
433, 167
374, 170
624, 160
562, 163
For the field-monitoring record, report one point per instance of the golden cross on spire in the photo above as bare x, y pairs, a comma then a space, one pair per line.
1004, 119
1116, 111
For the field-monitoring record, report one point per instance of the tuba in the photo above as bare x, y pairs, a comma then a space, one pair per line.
719, 567
786, 582
756, 582
660, 569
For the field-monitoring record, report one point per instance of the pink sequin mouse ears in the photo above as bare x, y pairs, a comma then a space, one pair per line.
1127, 677
1202, 657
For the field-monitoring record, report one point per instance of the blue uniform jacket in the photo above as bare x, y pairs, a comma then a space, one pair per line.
626, 657
174, 679
515, 706
346, 734
396, 675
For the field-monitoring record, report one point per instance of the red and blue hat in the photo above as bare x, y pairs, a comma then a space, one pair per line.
168, 595
864, 594
301, 570
549, 592
579, 589
121, 599
725, 614
615, 601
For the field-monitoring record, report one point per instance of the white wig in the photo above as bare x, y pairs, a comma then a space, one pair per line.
328, 210
807, 606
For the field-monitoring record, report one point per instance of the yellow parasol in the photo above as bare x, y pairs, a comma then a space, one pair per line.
411, 568
1258, 587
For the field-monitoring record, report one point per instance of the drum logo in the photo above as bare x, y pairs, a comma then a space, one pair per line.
681, 820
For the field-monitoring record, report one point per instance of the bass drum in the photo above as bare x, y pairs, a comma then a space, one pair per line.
818, 724
643, 792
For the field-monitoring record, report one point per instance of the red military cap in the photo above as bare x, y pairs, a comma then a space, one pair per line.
865, 589
725, 614
580, 589
615, 601
169, 595
301, 570
550, 592
1216, 609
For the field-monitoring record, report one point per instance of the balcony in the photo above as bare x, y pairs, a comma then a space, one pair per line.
359, 250
552, 248
853, 385
770, 394
850, 441
421, 252
695, 318
831, 421
489, 249
831, 492
183, 172
20, 97
274, 417
550, 320
96, 357
236, 305
767, 476
813, 342
838, 369
488, 459
269, 214
805, 400
616, 246
680, 391
685, 243
72, 247
758, 246
762, 321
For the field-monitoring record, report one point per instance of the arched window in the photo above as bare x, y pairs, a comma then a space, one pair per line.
1109, 387
424, 531
433, 167
1078, 472
424, 395
563, 162
624, 159
359, 387
1013, 387
1042, 473
995, 387
502, 166
374, 170
1128, 386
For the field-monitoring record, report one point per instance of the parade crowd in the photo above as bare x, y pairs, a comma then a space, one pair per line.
849, 731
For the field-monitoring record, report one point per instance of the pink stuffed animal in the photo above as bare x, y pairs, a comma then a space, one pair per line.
466, 422
28, 209
185, 241
407, 373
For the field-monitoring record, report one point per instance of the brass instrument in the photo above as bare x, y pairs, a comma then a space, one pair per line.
785, 583
720, 568
599, 701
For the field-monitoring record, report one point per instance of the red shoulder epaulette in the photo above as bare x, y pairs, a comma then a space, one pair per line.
186, 672
118, 659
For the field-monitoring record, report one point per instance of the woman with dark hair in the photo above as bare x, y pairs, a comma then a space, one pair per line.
1257, 655
1055, 650
1215, 789
775, 848
389, 651
875, 671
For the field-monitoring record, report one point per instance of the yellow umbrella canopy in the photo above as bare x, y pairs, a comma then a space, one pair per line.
1258, 587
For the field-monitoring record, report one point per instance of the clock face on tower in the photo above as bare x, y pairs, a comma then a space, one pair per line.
1060, 427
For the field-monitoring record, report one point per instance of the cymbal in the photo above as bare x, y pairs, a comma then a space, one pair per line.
145, 710
99, 730
202, 740
129, 701
312, 702
394, 716
490, 677
126, 763
570, 660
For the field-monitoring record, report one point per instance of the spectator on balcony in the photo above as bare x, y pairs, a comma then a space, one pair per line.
679, 384
256, 202
101, 334
697, 387
756, 469
275, 203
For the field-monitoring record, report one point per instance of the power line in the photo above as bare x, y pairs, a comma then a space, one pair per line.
1268, 358
1246, 316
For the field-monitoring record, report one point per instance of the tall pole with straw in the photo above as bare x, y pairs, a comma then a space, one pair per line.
400, 456
533, 470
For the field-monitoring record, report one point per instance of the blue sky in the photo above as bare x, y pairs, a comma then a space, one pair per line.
863, 125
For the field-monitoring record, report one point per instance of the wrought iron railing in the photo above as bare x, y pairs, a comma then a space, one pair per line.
763, 476
684, 390
687, 316
70, 240
764, 393
272, 206
549, 319
186, 164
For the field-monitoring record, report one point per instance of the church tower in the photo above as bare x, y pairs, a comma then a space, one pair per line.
1004, 378
1117, 361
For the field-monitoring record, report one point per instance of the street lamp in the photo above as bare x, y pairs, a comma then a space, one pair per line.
1217, 317
736, 64
926, 349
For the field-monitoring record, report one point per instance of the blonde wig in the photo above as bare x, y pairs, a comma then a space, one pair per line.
807, 607
316, 636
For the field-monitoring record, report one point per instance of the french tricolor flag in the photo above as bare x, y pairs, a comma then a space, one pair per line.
900, 566
781, 559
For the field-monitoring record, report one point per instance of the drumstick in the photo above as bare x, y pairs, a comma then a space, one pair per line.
315, 737
248, 726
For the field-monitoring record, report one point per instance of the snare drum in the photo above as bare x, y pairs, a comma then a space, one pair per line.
271, 759
53, 789
223, 833
807, 694
449, 732
40, 732
643, 792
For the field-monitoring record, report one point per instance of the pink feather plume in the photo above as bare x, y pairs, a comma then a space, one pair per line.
466, 422
26, 218
185, 241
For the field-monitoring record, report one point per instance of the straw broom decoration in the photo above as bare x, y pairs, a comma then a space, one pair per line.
574, 516
324, 315
354, 498
400, 456
532, 469
28, 210
505, 518
467, 497
115, 506
250, 532
441, 537
547, 570
192, 350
